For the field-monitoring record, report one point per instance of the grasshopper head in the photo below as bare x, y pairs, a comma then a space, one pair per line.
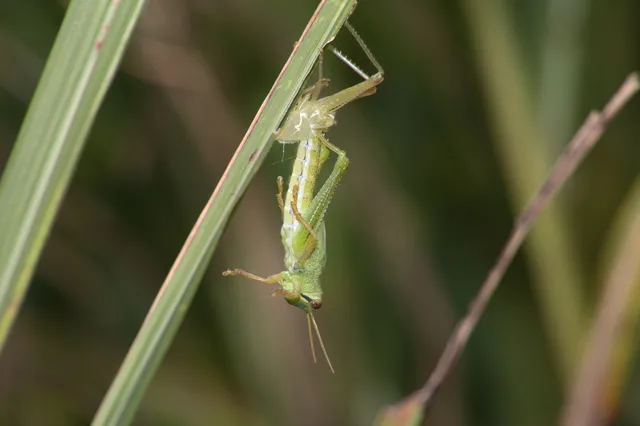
308, 302
301, 290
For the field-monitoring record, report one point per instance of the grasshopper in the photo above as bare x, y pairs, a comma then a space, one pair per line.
303, 230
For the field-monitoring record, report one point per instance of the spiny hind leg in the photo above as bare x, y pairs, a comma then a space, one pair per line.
320, 202
280, 181
272, 279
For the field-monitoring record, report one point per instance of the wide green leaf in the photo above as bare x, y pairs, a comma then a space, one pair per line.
80, 67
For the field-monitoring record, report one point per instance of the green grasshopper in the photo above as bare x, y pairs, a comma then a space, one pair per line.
303, 230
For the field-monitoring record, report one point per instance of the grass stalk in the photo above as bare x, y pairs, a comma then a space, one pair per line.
81, 65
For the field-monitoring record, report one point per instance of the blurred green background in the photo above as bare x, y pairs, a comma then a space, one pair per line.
479, 98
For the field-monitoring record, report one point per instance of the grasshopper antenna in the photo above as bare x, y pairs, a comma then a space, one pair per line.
313, 349
311, 319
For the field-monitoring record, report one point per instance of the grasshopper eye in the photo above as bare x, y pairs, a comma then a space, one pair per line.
316, 304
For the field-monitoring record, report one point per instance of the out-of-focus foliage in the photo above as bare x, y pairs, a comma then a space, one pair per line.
440, 160
79, 68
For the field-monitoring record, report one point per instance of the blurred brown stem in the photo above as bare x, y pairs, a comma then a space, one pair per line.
586, 137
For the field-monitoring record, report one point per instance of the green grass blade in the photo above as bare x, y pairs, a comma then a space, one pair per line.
79, 69
525, 157
620, 300
409, 413
172, 302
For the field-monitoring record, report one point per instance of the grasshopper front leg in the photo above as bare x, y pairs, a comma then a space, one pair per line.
281, 278
272, 279
279, 198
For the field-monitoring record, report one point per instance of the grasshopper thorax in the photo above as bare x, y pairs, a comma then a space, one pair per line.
307, 119
317, 117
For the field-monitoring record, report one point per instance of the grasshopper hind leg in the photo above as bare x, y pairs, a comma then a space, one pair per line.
312, 239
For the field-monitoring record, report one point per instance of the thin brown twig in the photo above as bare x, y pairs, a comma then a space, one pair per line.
586, 137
